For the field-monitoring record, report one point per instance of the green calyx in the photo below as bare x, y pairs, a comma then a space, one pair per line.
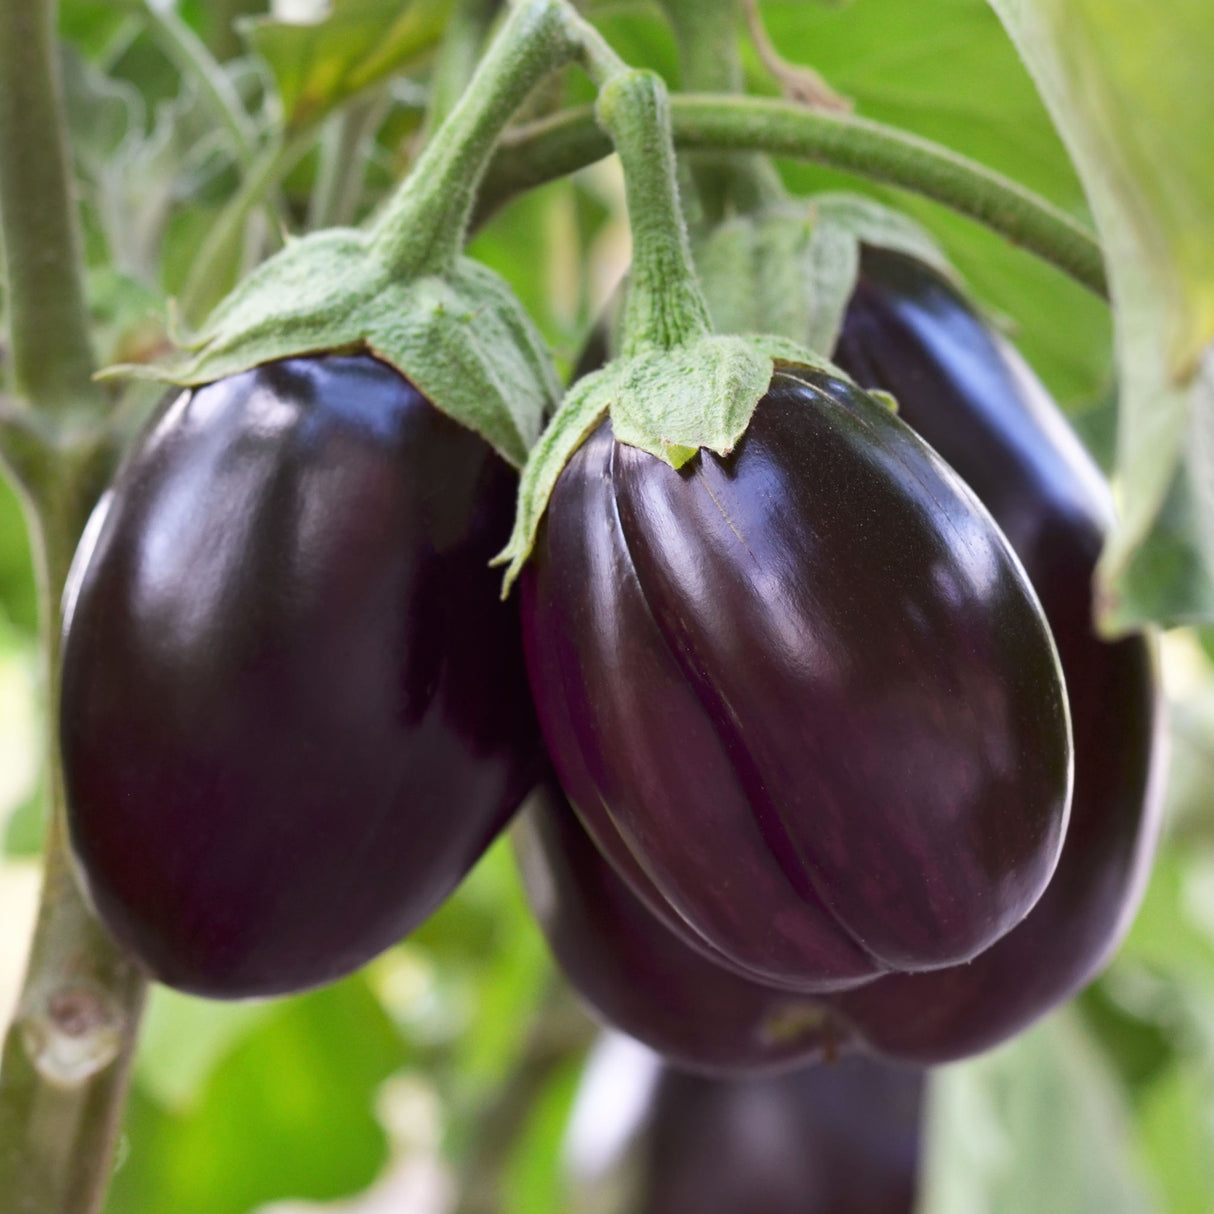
461, 338
678, 388
670, 403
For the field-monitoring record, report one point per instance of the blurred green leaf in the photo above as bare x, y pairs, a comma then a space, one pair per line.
1166, 936
491, 947
946, 70
1175, 1134
20, 736
288, 1113
91, 25
1036, 1125
535, 1181
18, 596
1129, 89
358, 44
184, 1038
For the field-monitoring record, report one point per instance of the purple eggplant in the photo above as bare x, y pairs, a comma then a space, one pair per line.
642, 978
909, 332
837, 1138
801, 696
294, 711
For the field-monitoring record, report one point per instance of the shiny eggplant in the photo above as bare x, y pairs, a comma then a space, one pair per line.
909, 332
841, 1138
801, 696
642, 978
294, 711
838, 1138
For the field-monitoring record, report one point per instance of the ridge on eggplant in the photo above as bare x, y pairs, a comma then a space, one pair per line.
644, 979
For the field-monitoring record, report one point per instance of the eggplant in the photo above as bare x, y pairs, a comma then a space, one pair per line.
909, 332
294, 711
840, 1138
640, 977
837, 1138
801, 696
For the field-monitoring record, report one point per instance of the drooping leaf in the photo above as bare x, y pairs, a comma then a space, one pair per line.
1128, 86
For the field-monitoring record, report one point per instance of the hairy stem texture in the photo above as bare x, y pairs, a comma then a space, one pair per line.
554, 147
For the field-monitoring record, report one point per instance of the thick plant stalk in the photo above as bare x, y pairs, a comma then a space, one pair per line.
66, 1057
52, 362
553, 147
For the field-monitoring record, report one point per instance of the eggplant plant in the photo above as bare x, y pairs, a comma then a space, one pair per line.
798, 642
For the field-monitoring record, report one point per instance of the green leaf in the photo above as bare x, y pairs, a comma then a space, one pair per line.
359, 43
1166, 936
791, 268
1175, 1139
462, 338
946, 70
288, 1113
1130, 93
184, 1038
1039, 1124
535, 1179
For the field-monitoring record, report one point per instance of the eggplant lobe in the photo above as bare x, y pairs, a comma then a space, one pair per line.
294, 711
844, 1138
908, 332
801, 696
642, 978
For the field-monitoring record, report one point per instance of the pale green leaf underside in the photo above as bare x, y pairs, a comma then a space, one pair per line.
1128, 87
792, 268
462, 339
1039, 1124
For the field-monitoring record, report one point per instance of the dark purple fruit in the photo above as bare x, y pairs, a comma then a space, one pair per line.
841, 1138
907, 331
642, 978
294, 712
801, 696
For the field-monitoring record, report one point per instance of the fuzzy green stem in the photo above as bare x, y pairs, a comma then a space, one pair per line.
423, 227
51, 356
557, 146
706, 33
664, 307
463, 39
222, 15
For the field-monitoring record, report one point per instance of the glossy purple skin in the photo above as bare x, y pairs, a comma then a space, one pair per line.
802, 697
841, 1138
642, 978
908, 331
294, 711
